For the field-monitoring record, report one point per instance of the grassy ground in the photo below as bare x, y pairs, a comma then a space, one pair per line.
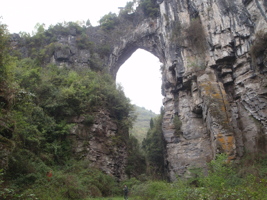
107, 198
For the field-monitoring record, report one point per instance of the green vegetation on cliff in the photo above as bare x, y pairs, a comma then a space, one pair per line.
258, 49
150, 8
153, 146
38, 102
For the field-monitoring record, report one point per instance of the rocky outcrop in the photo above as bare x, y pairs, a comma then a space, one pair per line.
99, 143
209, 78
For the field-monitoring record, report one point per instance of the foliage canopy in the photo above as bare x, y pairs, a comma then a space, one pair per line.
38, 102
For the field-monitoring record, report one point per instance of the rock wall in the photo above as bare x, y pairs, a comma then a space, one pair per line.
210, 80
100, 144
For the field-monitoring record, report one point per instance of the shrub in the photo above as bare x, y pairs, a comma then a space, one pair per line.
196, 63
128, 9
150, 190
196, 36
153, 146
178, 125
75, 180
222, 182
83, 42
4, 49
259, 46
136, 164
221, 174
194, 33
104, 50
150, 8
88, 120
109, 21
131, 182
25, 167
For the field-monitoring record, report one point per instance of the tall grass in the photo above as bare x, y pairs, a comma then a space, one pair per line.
245, 180
224, 181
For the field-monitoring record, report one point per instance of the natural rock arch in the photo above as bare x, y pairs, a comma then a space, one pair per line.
214, 98
144, 37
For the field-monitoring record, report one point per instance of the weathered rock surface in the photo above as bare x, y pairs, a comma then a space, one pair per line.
215, 89
209, 78
99, 143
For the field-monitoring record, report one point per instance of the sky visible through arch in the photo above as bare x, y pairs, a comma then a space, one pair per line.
23, 15
140, 77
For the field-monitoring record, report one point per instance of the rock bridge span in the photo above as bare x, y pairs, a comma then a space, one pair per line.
209, 91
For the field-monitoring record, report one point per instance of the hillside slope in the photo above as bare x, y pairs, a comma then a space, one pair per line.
141, 125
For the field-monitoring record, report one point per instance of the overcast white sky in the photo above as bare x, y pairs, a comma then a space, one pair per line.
140, 75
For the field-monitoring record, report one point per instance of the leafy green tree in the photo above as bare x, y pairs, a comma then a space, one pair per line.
83, 41
259, 45
3, 48
88, 23
151, 123
150, 8
128, 9
153, 146
108, 21
7, 86
136, 164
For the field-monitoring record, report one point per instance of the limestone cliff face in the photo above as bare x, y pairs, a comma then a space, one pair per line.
210, 80
100, 144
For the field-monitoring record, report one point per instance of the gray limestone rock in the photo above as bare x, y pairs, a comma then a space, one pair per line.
210, 80
218, 93
97, 143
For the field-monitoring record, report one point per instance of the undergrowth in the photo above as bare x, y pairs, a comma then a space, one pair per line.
75, 180
224, 181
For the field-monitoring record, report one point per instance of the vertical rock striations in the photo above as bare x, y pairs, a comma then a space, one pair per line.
214, 65
212, 80
100, 144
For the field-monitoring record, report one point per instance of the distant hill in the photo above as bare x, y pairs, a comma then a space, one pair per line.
142, 122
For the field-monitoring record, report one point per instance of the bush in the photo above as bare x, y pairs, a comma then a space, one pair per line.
178, 125
88, 119
222, 182
153, 146
136, 164
221, 174
25, 167
259, 46
83, 42
149, 190
128, 9
150, 8
104, 50
75, 180
109, 21
195, 34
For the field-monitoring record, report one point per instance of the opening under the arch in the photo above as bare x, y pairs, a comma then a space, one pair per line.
140, 77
